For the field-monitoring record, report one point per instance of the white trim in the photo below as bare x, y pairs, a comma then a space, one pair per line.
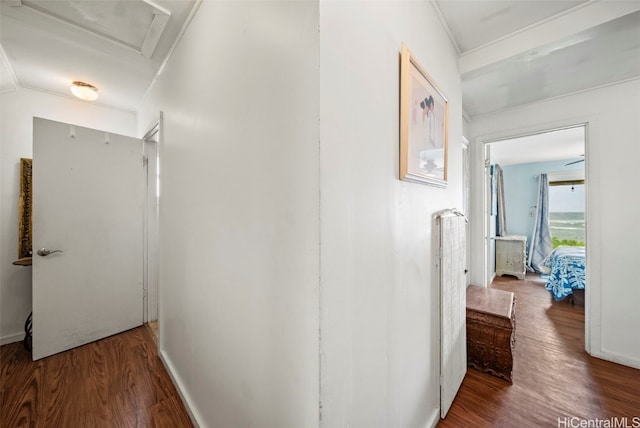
557, 97
7, 64
177, 41
194, 415
159, 301
529, 27
489, 247
157, 7
507, 134
12, 338
465, 116
445, 26
150, 224
159, 23
593, 312
592, 294
617, 358
434, 418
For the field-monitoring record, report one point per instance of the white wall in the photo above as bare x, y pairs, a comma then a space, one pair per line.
612, 152
239, 311
17, 110
379, 294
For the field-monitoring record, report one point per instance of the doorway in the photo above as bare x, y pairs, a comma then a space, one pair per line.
558, 155
151, 152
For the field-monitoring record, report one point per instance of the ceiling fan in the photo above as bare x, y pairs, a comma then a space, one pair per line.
578, 161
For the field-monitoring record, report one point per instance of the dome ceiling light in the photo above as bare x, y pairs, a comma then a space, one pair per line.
84, 91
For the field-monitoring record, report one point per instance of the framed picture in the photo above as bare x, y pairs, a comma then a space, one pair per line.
424, 112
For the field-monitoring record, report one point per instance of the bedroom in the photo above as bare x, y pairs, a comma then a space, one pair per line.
538, 196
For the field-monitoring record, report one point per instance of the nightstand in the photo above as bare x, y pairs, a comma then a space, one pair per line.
511, 255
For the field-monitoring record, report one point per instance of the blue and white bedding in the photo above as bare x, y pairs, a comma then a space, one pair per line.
567, 271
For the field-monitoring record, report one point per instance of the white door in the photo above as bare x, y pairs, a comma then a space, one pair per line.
453, 286
88, 203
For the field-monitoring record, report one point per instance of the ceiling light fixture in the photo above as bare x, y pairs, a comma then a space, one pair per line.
84, 91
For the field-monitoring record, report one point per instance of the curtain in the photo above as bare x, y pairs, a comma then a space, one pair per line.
501, 219
541, 245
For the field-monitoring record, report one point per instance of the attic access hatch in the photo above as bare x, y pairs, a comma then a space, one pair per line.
135, 24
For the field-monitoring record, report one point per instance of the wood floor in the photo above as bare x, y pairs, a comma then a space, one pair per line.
553, 377
120, 382
115, 382
153, 326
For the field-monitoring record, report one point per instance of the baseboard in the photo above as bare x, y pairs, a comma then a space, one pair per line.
618, 359
434, 418
5, 340
196, 419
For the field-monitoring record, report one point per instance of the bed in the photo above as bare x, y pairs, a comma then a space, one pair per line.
567, 266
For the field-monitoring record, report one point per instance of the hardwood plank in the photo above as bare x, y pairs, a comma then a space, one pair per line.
119, 411
118, 381
552, 375
64, 394
20, 405
165, 414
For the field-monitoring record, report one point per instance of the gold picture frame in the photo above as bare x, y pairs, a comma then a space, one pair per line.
24, 210
424, 115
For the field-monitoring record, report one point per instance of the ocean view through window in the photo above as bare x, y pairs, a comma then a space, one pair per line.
566, 214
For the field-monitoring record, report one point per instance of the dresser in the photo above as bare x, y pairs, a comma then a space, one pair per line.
511, 255
491, 322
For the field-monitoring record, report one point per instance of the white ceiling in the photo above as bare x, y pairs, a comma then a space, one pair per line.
520, 52
511, 52
116, 45
564, 144
476, 23
602, 55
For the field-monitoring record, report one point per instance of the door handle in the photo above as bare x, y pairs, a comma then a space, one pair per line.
44, 252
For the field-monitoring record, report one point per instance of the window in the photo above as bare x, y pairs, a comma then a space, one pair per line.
566, 213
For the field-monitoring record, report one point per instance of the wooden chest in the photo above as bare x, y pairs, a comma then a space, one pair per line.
490, 330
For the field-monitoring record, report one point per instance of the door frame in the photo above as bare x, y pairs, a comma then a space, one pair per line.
480, 241
151, 218
466, 201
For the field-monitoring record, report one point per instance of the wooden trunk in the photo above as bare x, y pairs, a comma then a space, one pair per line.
490, 331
